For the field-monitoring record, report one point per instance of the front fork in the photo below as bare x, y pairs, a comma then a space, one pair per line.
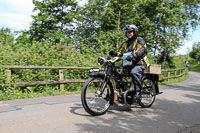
106, 79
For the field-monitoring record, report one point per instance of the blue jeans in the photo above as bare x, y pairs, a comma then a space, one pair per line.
136, 74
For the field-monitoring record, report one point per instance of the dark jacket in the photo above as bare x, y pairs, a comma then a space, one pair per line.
137, 46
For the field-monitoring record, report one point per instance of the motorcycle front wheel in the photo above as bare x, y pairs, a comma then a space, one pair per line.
97, 96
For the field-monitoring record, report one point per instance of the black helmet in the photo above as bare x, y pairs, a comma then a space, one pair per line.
131, 27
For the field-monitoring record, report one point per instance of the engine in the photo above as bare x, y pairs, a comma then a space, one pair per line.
128, 97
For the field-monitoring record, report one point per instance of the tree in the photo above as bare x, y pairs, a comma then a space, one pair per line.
195, 53
6, 37
169, 22
23, 39
54, 20
103, 23
163, 24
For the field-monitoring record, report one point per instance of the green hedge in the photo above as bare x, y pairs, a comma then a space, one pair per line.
44, 54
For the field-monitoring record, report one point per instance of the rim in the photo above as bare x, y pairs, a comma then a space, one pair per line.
147, 96
147, 93
96, 101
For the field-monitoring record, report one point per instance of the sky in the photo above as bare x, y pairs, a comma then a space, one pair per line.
16, 15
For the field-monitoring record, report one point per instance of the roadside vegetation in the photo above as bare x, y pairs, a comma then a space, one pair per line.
65, 34
195, 67
195, 55
175, 80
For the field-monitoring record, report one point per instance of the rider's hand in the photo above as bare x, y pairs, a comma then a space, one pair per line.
129, 58
132, 57
112, 53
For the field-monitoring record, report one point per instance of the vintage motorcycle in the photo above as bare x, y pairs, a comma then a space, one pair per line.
113, 83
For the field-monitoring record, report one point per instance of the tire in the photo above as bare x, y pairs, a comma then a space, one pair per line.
148, 95
94, 101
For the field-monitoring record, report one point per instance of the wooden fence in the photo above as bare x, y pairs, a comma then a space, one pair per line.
171, 73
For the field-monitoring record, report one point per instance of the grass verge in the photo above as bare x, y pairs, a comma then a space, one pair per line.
175, 80
11, 94
195, 67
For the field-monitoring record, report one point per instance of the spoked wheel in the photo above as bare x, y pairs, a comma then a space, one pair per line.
97, 96
147, 94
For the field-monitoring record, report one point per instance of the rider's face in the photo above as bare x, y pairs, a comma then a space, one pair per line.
130, 34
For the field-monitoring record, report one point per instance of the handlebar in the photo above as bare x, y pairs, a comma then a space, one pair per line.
102, 61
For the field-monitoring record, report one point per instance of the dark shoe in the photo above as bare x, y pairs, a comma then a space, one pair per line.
137, 96
115, 104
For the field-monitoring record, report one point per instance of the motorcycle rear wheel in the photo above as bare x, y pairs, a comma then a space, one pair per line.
95, 99
147, 93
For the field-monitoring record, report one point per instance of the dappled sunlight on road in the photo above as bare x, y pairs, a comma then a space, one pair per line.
181, 96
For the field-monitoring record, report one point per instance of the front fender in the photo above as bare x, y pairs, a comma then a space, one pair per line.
99, 75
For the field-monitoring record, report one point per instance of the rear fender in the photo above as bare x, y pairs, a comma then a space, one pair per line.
155, 79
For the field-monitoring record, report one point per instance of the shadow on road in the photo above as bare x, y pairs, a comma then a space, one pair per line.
169, 114
163, 117
75, 110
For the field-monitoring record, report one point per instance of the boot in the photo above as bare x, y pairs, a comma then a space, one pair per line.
137, 96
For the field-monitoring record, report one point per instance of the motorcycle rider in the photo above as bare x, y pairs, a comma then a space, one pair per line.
135, 50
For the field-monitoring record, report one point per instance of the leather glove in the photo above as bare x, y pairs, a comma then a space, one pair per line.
129, 58
112, 53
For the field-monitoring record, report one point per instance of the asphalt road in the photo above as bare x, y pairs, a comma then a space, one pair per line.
177, 110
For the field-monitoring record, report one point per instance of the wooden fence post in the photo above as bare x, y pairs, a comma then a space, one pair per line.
168, 76
175, 73
184, 72
8, 73
61, 78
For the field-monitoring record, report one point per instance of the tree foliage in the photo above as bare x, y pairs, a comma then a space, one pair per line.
6, 37
162, 23
195, 53
99, 25
54, 19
